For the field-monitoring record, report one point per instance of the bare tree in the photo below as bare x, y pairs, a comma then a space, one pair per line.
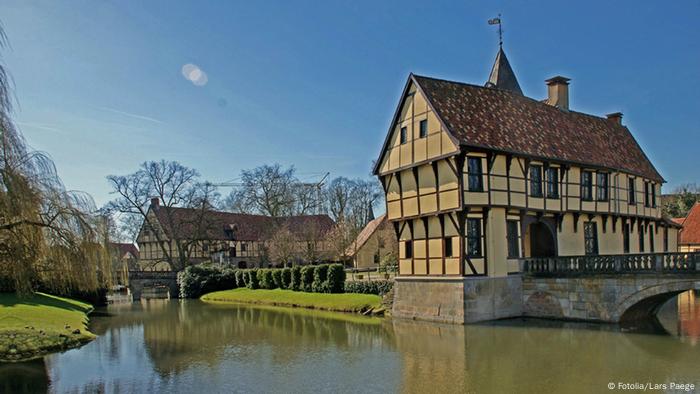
352, 200
365, 195
282, 246
266, 190
175, 186
48, 235
338, 194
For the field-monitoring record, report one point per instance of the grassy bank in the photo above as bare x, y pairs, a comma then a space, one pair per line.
35, 326
348, 302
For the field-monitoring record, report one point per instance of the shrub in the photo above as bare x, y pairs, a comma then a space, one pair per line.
277, 279
196, 280
286, 278
295, 283
265, 279
336, 278
253, 282
240, 281
320, 283
307, 278
378, 287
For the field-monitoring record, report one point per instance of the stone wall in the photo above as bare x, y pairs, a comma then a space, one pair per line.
457, 300
602, 298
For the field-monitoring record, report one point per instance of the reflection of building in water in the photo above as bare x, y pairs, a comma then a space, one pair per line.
689, 315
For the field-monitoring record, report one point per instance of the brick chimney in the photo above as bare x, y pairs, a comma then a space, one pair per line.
615, 117
155, 202
558, 92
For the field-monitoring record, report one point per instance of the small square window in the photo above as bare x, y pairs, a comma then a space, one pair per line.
630, 191
536, 181
602, 186
476, 180
404, 135
474, 237
448, 247
408, 249
587, 186
423, 128
552, 182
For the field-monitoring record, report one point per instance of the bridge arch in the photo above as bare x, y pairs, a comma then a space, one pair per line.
646, 302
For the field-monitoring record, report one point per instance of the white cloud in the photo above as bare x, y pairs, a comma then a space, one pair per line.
194, 74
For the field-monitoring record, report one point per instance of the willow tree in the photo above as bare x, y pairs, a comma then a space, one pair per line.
48, 238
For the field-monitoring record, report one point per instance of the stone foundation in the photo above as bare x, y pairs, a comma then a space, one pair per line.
594, 298
601, 298
457, 300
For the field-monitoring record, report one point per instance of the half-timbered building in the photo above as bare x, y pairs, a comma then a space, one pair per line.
230, 239
479, 176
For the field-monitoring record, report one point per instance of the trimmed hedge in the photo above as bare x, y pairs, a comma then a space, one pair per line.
378, 287
286, 278
201, 279
320, 284
307, 278
240, 278
265, 279
277, 279
252, 282
296, 278
198, 280
336, 278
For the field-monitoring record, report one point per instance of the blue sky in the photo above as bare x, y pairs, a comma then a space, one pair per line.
315, 83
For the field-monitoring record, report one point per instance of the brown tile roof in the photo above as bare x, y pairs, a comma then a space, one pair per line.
365, 234
125, 248
505, 121
245, 227
690, 233
678, 220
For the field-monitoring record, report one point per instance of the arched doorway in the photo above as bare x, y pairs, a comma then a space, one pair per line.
541, 241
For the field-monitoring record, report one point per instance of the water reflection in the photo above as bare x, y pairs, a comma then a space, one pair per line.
170, 346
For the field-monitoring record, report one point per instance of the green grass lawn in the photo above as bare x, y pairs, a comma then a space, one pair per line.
34, 326
348, 302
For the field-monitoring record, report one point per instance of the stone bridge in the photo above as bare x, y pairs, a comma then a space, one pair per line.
607, 288
150, 280
596, 288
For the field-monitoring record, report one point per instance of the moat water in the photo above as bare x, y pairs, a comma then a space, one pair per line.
188, 346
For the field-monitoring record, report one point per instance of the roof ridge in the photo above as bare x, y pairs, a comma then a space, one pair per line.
543, 101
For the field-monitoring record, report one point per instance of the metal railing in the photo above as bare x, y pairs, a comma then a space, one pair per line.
675, 263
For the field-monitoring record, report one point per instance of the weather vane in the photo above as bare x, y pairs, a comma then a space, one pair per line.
497, 21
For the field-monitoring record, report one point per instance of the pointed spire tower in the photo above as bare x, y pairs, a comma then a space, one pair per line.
502, 75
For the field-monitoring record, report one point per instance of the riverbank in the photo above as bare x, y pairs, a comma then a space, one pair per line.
35, 326
345, 302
